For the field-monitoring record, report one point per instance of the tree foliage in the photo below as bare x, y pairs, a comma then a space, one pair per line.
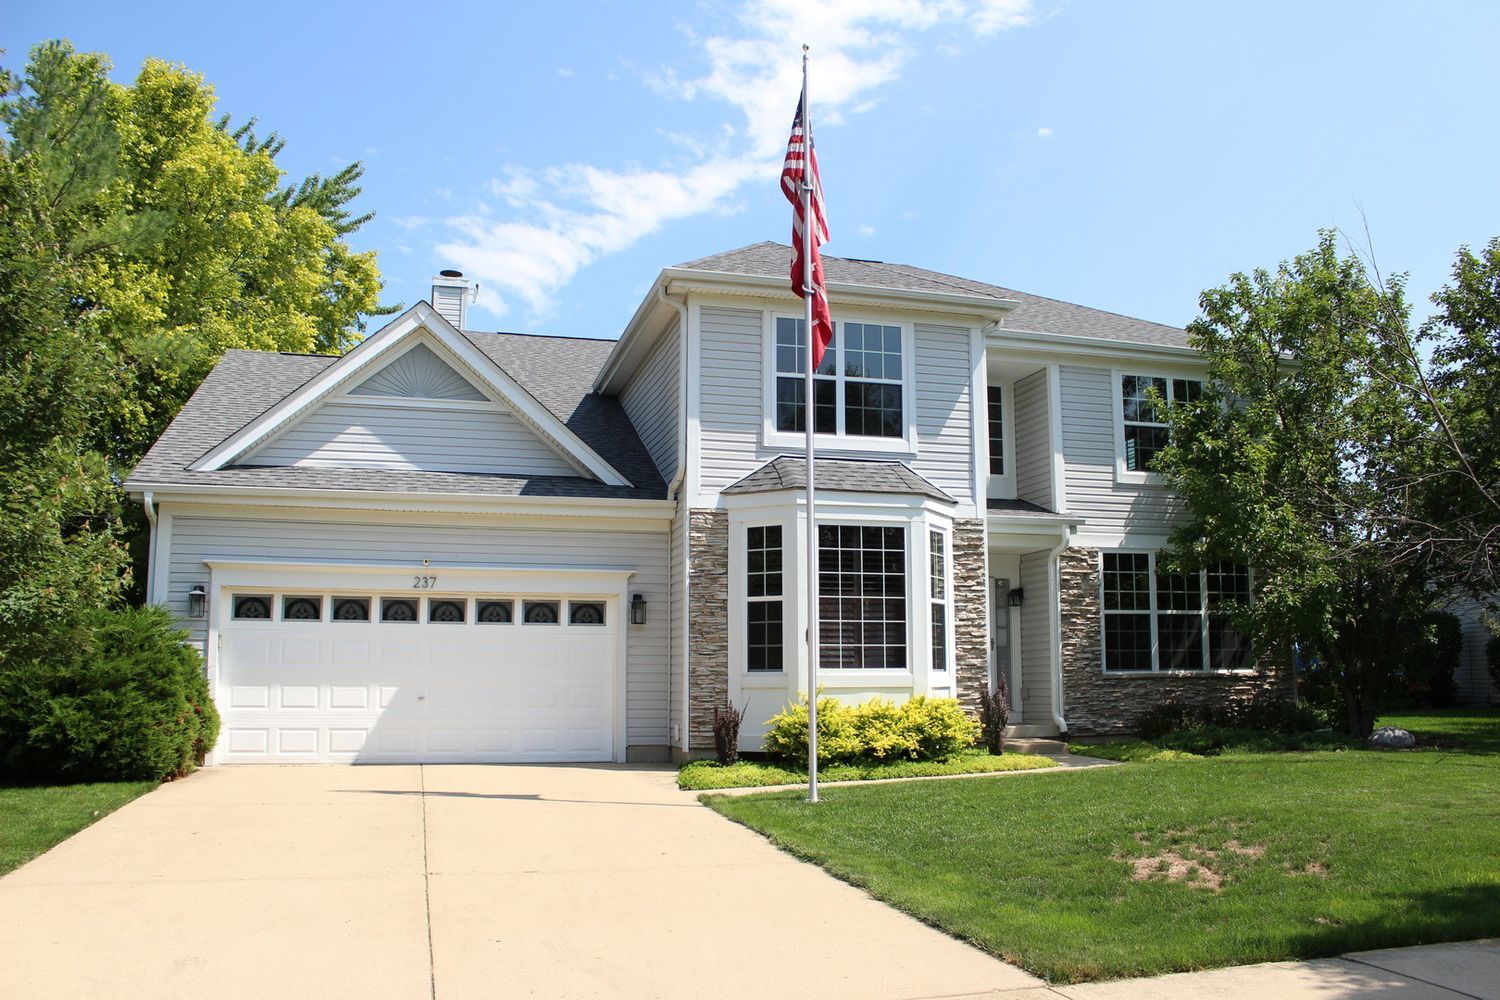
185, 234
1325, 453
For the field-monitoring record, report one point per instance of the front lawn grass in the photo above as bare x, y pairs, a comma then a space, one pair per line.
1172, 865
706, 775
33, 820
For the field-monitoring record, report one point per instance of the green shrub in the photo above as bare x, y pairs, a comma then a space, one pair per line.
994, 714
1270, 715
921, 728
1438, 657
129, 702
1493, 651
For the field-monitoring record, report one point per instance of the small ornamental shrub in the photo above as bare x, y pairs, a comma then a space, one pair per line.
727, 722
1212, 722
919, 729
129, 702
994, 713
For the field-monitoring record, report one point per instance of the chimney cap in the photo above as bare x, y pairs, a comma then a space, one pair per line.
449, 272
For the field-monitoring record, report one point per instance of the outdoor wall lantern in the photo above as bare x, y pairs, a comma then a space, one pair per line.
1015, 597
197, 601
637, 610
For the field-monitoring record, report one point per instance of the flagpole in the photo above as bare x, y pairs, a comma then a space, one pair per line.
808, 233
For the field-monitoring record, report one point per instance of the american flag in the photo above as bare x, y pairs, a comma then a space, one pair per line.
799, 153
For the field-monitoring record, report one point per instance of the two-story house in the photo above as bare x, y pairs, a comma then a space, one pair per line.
450, 545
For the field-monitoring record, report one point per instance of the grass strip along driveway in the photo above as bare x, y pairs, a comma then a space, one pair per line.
1174, 865
33, 820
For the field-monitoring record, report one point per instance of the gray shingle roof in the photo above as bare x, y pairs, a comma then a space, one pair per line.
1024, 508
788, 473
1032, 312
559, 372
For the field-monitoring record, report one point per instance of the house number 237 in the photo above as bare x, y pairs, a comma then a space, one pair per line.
423, 582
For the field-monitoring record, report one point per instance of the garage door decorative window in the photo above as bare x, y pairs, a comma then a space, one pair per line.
586, 612
252, 606
494, 612
302, 609
397, 609
446, 611
351, 609
541, 612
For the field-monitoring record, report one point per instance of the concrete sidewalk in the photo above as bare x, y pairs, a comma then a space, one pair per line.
1469, 969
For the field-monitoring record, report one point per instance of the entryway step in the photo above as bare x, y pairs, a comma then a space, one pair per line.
1049, 748
1030, 732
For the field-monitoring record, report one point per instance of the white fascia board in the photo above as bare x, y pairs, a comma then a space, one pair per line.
387, 339
635, 342
1053, 344
1029, 524
955, 303
279, 574
437, 502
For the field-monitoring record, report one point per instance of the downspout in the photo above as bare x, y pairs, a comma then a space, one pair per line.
675, 593
1055, 569
148, 500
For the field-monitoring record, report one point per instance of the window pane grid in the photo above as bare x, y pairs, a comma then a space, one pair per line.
862, 597
937, 543
1155, 620
862, 396
763, 608
1145, 423
997, 430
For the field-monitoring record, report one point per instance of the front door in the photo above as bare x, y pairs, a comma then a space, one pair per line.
1000, 641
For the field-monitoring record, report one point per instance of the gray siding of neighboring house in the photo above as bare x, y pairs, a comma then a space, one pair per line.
1036, 645
245, 535
1088, 435
368, 436
650, 400
1033, 442
732, 369
1473, 674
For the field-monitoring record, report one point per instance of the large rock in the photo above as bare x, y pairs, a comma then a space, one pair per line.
1391, 738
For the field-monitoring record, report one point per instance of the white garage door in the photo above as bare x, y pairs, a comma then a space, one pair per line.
346, 677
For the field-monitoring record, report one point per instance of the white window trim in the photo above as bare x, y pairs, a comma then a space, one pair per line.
1253, 666
1117, 405
946, 535
1002, 486
905, 445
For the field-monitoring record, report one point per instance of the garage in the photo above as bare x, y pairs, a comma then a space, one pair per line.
362, 672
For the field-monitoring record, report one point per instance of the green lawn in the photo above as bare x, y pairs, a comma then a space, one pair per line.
1173, 865
702, 775
34, 820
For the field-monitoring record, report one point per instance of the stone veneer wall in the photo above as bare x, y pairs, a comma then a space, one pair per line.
1097, 704
971, 614
707, 622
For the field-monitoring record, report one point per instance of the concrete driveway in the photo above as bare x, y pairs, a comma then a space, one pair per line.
450, 882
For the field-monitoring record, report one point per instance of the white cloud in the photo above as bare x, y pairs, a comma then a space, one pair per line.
1045, 132
558, 220
867, 230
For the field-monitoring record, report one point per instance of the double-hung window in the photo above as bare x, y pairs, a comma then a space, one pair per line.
1157, 621
861, 597
1143, 422
997, 430
939, 585
858, 390
763, 607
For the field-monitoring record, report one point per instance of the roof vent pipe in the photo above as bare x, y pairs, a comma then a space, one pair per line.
451, 295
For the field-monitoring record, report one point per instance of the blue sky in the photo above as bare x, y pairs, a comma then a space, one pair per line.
1120, 155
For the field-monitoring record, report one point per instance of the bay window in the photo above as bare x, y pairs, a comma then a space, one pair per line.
939, 587
763, 606
861, 597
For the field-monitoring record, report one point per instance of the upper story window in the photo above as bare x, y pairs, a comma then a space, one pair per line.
858, 390
997, 430
1143, 423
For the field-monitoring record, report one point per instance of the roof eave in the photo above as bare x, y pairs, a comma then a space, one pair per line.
1075, 344
952, 302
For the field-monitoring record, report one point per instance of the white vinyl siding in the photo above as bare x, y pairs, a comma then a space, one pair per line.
355, 435
1033, 458
1088, 434
732, 371
650, 400
945, 410
1036, 644
195, 538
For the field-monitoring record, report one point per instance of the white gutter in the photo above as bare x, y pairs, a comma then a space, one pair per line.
1055, 611
675, 593
148, 501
